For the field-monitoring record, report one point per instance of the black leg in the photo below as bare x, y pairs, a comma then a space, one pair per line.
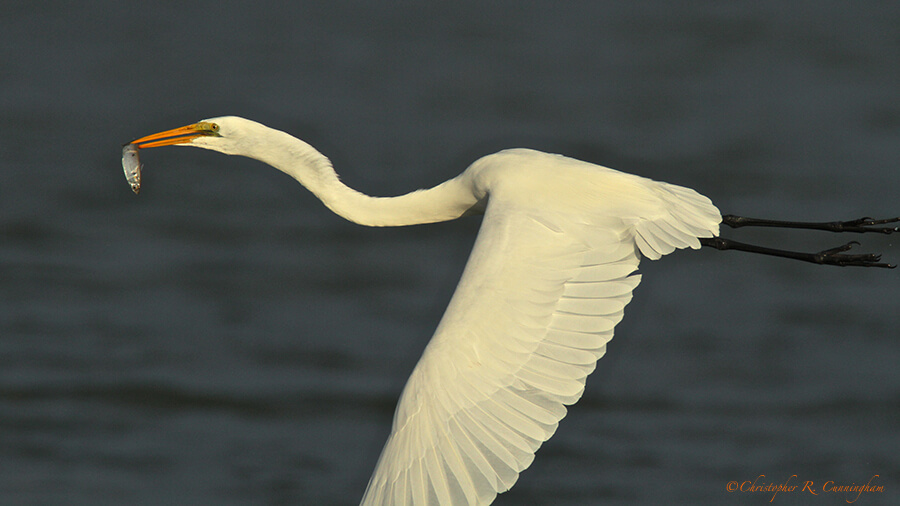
832, 256
861, 225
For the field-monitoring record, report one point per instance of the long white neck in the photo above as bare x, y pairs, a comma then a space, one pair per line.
313, 170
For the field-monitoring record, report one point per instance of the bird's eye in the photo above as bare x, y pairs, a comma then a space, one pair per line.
214, 127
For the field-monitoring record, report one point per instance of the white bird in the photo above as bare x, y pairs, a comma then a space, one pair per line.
547, 281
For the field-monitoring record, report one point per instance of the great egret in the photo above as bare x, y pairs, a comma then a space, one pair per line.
547, 281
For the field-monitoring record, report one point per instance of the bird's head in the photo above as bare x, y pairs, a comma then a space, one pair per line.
225, 134
238, 136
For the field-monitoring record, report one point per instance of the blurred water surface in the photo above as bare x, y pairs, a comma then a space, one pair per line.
224, 339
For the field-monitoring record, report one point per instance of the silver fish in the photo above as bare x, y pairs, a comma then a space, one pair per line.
132, 165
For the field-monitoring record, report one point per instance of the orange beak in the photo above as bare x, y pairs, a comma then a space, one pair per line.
177, 135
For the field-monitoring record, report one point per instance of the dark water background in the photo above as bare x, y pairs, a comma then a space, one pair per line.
223, 339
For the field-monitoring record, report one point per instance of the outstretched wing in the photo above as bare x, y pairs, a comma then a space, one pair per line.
536, 305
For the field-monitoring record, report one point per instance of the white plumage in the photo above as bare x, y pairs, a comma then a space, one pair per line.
546, 283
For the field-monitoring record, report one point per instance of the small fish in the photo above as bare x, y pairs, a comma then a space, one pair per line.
132, 165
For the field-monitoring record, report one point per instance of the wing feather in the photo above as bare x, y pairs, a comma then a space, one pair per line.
579, 306
568, 355
579, 340
683, 216
536, 306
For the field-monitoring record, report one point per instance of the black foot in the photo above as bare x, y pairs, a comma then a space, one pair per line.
858, 226
866, 224
834, 256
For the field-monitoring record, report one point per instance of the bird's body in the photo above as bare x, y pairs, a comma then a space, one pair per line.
547, 281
